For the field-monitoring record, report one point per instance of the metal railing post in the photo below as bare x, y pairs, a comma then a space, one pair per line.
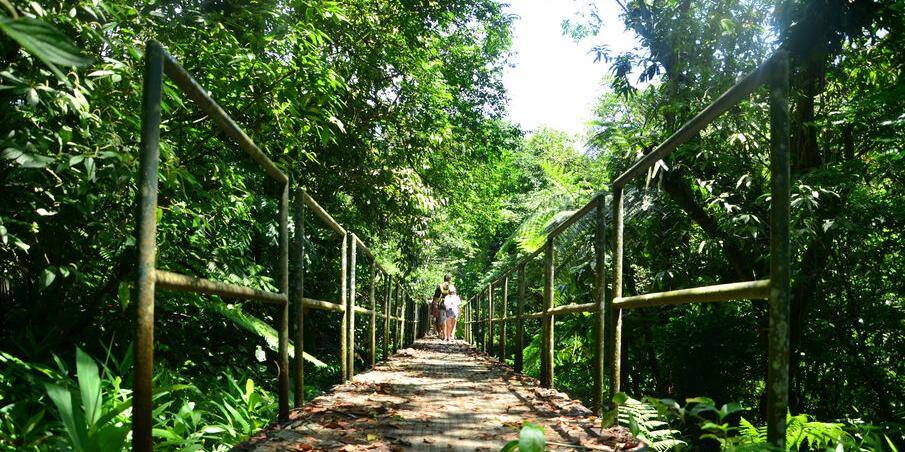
416, 328
546, 375
350, 308
466, 310
520, 321
283, 348
598, 399
416, 306
142, 421
372, 302
412, 319
344, 301
472, 309
403, 305
388, 294
778, 354
469, 330
403, 317
472, 317
482, 319
396, 315
488, 342
614, 317
475, 321
148, 278
504, 313
402, 296
298, 298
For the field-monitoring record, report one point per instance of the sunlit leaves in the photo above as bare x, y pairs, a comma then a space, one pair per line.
44, 42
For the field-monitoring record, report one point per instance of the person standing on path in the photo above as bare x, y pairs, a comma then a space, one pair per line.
439, 316
451, 305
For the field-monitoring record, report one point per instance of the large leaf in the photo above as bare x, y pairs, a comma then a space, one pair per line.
125, 405
111, 437
44, 42
531, 438
74, 424
89, 386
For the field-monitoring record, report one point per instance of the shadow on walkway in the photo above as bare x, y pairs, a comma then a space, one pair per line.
436, 396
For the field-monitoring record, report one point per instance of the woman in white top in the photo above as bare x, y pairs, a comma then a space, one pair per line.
451, 307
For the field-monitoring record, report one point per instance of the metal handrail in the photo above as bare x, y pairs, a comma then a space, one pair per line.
479, 310
183, 283
157, 64
751, 290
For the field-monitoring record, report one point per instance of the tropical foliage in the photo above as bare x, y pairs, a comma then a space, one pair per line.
392, 115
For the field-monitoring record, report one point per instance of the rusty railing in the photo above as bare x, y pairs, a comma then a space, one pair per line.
397, 305
479, 311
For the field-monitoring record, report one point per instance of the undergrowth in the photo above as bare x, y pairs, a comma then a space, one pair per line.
665, 425
92, 412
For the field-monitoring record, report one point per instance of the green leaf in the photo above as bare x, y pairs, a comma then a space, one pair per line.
620, 398
111, 437
22, 245
116, 411
72, 422
47, 277
124, 294
44, 42
510, 446
11, 154
727, 25
166, 434
531, 438
670, 403
76, 159
609, 418
31, 97
212, 429
26, 160
249, 388
730, 408
702, 400
90, 168
710, 426
89, 386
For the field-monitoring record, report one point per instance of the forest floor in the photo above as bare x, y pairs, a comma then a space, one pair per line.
438, 396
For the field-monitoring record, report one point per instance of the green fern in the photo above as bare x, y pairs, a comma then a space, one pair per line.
748, 433
817, 435
800, 431
645, 423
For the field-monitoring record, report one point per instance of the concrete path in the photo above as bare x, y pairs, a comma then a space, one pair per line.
437, 396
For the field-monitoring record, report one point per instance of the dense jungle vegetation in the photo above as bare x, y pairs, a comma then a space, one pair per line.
392, 115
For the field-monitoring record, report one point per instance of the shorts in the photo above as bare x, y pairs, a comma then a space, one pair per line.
442, 317
451, 313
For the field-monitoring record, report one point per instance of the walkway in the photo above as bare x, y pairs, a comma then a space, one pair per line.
437, 396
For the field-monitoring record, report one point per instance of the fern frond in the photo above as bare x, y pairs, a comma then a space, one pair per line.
645, 423
749, 434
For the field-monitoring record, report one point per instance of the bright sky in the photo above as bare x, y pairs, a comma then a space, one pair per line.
555, 81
